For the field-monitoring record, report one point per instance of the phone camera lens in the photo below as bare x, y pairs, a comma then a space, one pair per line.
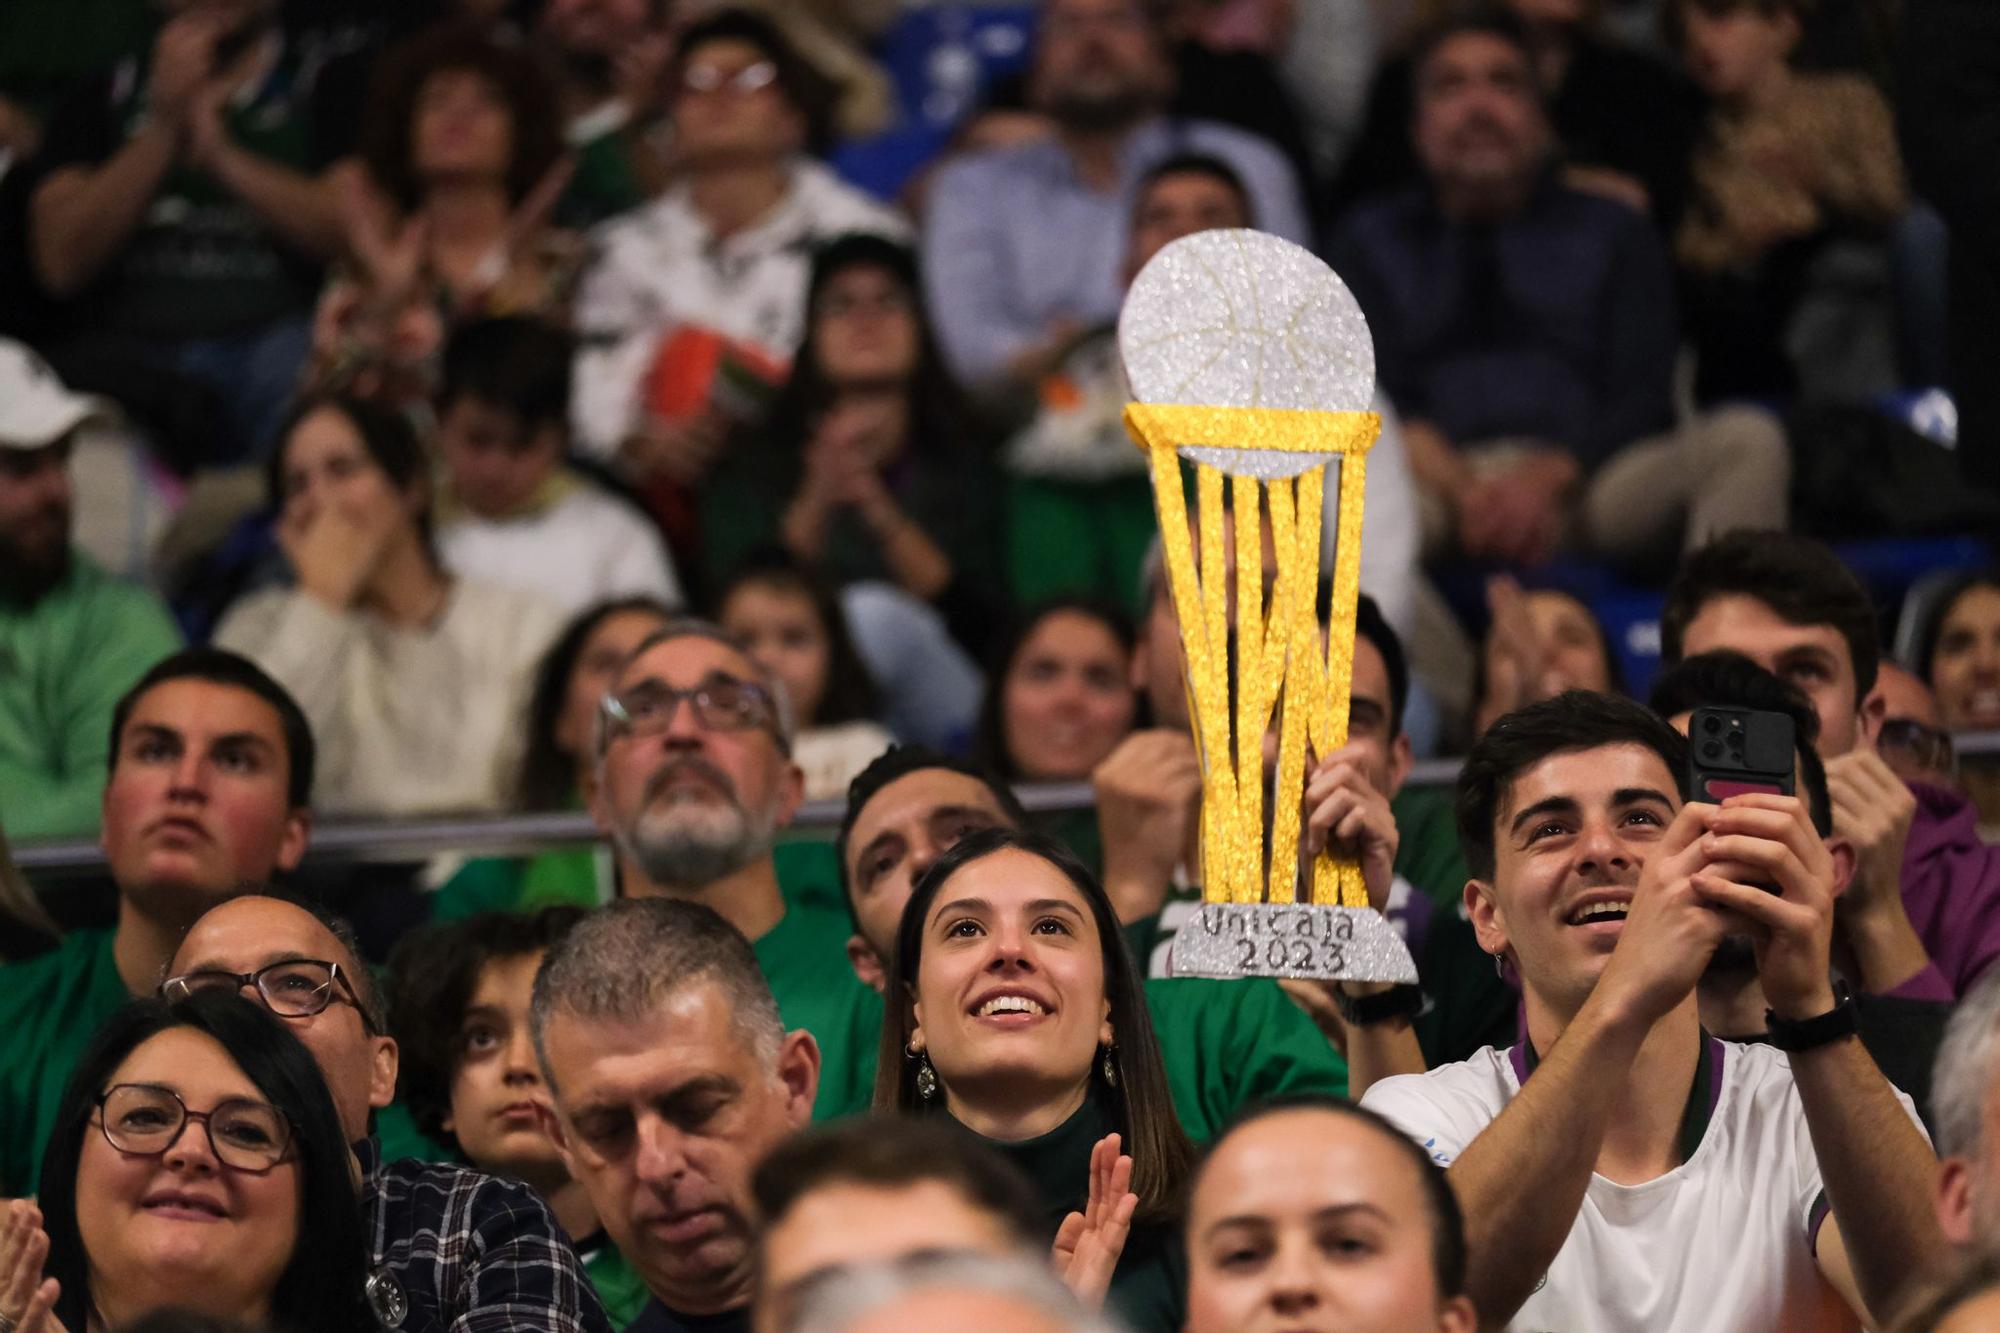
1711, 725
1710, 750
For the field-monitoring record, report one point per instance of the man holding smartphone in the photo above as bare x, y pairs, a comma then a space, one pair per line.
1925, 886
1902, 1033
1677, 1183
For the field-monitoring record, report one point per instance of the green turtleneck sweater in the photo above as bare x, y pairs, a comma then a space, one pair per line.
1149, 1288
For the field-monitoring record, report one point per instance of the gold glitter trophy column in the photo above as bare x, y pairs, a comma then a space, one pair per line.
1249, 358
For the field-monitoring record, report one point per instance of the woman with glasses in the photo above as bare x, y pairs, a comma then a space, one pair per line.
197, 1163
1015, 1013
414, 681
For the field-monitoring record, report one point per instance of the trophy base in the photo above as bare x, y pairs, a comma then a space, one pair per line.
1319, 943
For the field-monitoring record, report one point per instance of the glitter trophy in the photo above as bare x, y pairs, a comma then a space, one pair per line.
1249, 357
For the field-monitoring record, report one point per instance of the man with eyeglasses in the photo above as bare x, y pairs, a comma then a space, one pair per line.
1926, 888
210, 785
450, 1248
724, 251
695, 780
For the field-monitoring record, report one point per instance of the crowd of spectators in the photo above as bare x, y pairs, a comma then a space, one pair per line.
553, 408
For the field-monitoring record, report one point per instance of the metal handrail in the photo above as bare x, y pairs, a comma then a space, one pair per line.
520, 835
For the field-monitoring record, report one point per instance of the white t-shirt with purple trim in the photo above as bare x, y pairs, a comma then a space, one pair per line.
1723, 1243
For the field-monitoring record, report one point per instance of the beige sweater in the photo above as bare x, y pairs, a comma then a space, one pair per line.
408, 721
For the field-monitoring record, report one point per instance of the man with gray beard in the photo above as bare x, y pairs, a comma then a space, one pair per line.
695, 780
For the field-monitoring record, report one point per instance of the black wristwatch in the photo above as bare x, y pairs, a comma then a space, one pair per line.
1399, 1001
1806, 1034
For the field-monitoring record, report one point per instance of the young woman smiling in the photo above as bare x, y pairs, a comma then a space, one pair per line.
1017, 1013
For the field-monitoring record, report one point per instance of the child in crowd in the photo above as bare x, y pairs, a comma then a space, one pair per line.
510, 509
795, 629
1789, 161
458, 1004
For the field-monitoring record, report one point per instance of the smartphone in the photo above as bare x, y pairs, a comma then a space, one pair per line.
1737, 750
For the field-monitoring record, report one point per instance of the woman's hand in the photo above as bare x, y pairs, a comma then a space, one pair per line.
27, 1299
389, 250
1089, 1243
333, 554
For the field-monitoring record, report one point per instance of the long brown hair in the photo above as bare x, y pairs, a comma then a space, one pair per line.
1140, 1102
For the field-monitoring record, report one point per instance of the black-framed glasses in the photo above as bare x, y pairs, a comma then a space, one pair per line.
294, 988
721, 703
1928, 748
146, 1120
742, 82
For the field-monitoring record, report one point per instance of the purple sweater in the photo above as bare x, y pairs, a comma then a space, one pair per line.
1951, 886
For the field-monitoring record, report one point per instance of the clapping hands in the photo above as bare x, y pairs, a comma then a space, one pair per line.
27, 1299
1089, 1243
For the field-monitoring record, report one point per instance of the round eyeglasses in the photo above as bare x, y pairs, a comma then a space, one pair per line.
294, 988
146, 1120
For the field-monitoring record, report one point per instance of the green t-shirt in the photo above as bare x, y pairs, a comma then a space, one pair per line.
1227, 1044
618, 1285
64, 663
50, 1008
804, 958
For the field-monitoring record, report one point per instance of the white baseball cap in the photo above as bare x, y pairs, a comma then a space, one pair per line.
35, 409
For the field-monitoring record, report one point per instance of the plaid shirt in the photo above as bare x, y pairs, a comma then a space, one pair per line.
455, 1251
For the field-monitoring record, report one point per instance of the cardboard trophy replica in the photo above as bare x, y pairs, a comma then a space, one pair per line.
1249, 358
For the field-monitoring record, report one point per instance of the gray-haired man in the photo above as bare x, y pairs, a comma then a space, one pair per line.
1965, 1107
695, 781
671, 1076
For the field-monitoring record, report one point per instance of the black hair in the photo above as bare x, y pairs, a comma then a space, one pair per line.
388, 129
849, 695
1940, 608
387, 437
1199, 164
1802, 582
896, 762
1730, 680
989, 735
1372, 625
1447, 1221
942, 417
514, 363
321, 1287
1483, 20
808, 91
1139, 1100
432, 976
1571, 721
548, 775
218, 666
1673, 19
890, 1152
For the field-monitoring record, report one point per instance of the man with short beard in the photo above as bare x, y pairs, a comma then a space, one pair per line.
1023, 246
695, 780
1526, 331
72, 637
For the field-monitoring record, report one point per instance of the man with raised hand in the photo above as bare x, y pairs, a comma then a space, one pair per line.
1922, 918
1671, 1182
